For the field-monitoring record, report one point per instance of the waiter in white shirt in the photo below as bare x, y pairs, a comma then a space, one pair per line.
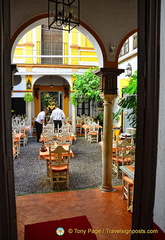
40, 121
57, 116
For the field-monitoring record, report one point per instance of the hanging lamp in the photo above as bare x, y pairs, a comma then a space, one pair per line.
63, 14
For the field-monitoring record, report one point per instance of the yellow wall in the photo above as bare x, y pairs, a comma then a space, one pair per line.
83, 41
79, 45
18, 51
38, 44
28, 47
65, 48
75, 43
29, 36
87, 53
123, 83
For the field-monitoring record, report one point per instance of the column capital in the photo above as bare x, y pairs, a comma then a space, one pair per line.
108, 80
108, 98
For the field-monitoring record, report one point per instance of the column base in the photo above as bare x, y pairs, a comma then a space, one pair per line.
107, 189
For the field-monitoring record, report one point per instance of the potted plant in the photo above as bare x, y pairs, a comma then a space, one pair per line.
28, 97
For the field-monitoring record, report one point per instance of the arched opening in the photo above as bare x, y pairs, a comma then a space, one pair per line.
53, 87
53, 78
82, 29
53, 53
128, 56
43, 84
145, 190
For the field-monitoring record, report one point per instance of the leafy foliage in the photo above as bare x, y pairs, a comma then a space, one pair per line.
132, 87
86, 87
28, 97
50, 100
129, 101
99, 118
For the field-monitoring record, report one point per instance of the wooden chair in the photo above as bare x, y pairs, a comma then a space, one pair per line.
128, 185
24, 137
16, 146
69, 127
49, 128
93, 133
62, 129
79, 125
64, 138
124, 155
49, 138
58, 166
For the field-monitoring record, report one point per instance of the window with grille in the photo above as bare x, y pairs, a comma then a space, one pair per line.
51, 44
83, 108
125, 48
135, 41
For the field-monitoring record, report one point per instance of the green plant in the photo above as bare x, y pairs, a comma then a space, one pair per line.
99, 118
28, 97
50, 100
129, 101
86, 87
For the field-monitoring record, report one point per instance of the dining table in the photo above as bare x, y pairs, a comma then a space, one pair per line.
128, 170
114, 145
46, 154
17, 137
86, 128
56, 136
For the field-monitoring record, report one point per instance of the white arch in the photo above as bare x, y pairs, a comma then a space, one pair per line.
66, 78
80, 28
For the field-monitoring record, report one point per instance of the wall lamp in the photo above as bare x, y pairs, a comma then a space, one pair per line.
128, 70
112, 49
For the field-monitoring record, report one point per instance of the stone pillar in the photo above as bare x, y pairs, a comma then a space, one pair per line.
74, 119
108, 89
29, 115
107, 144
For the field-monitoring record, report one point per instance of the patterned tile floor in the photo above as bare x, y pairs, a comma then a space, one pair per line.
105, 211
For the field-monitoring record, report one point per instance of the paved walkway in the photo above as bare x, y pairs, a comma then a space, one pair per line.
85, 168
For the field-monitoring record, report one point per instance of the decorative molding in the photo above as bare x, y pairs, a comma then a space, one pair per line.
26, 45
53, 66
108, 80
86, 48
81, 48
75, 46
22, 91
108, 98
128, 58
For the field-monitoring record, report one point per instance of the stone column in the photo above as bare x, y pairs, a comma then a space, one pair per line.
29, 115
108, 89
107, 144
74, 119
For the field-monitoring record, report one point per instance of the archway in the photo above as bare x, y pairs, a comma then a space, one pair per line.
34, 22
49, 68
57, 90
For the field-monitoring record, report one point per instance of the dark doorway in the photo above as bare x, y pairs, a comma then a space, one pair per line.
18, 106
